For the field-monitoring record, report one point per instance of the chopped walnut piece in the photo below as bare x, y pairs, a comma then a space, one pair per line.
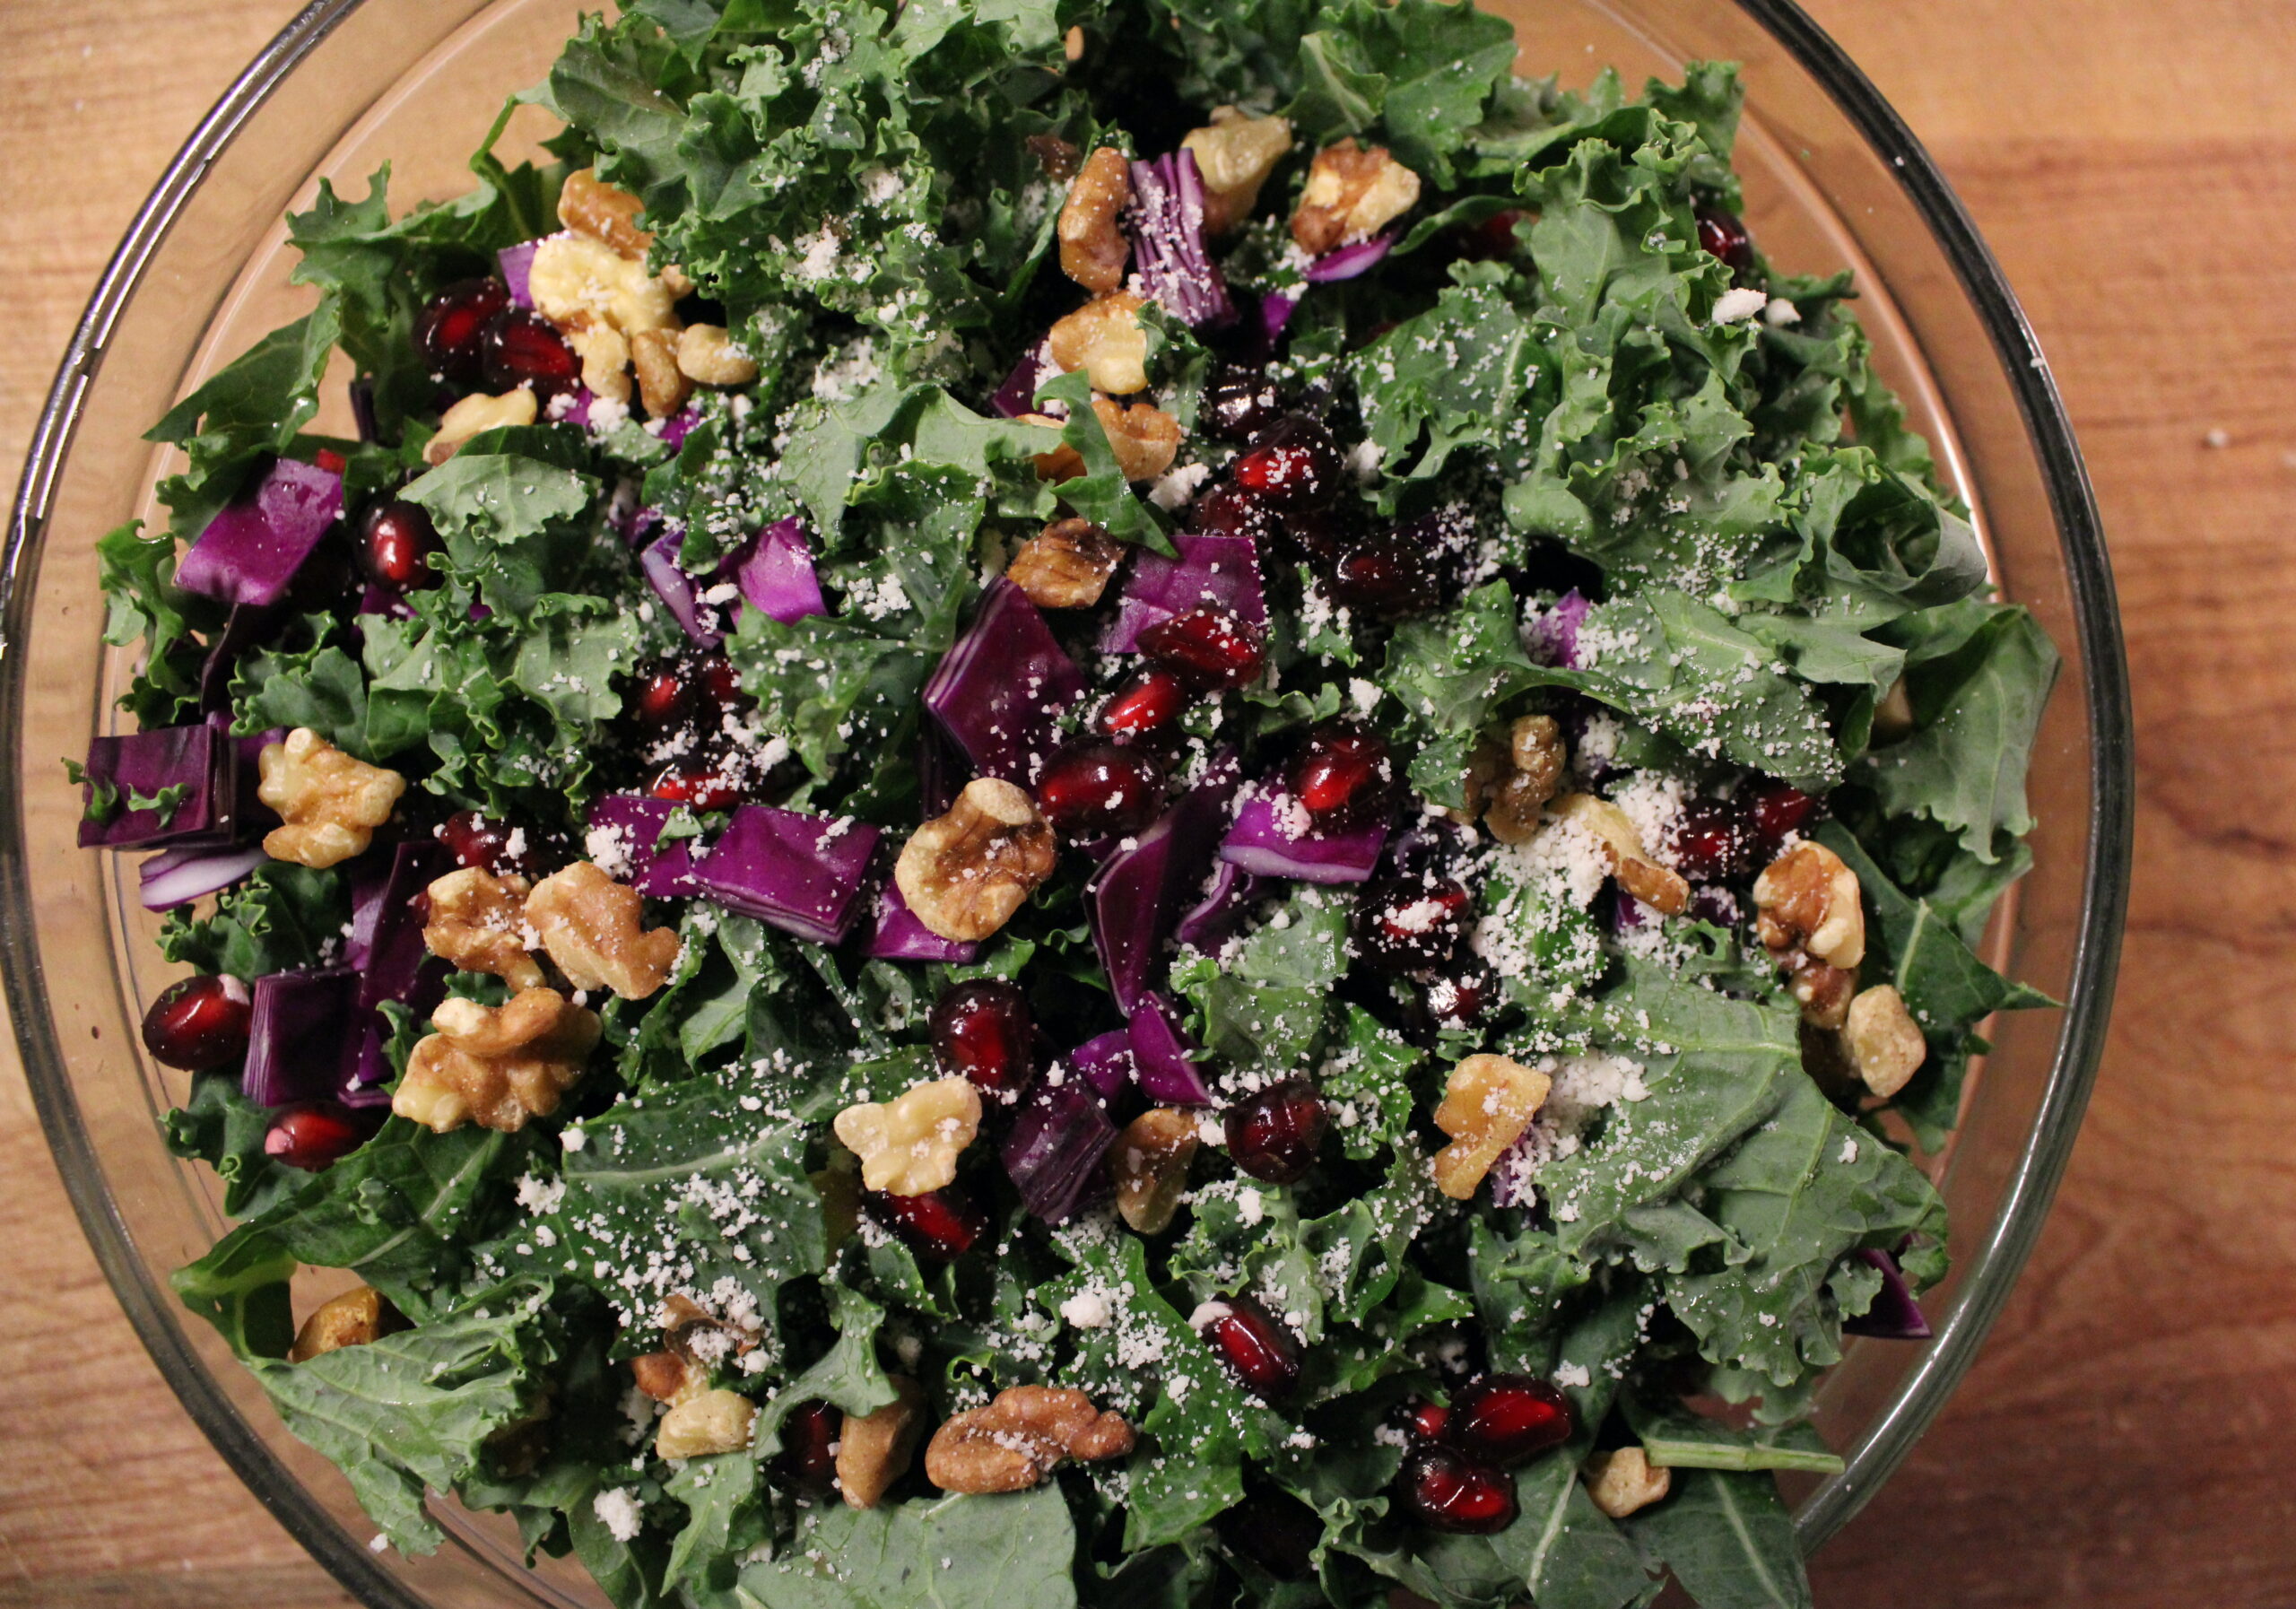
708, 356
1885, 1043
1893, 715
1092, 246
662, 385
477, 413
1066, 565
1486, 1106
1625, 1482
604, 352
1149, 1162
1807, 901
666, 1377
495, 1065
589, 205
1823, 991
1353, 192
1516, 799
355, 1317
1145, 439
874, 1449
704, 1425
1637, 873
909, 1145
576, 281
1072, 44
966, 873
478, 923
589, 924
1104, 338
1057, 157
1020, 1437
1234, 157
330, 802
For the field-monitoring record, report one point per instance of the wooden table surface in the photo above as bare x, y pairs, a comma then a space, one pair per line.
2123, 1442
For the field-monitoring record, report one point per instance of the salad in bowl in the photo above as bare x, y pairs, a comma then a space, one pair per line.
1115, 803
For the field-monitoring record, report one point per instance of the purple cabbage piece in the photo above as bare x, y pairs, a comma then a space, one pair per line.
1555, 633
386, 946
1165, 219
1894, 1316
388, 601
941, 773
1347, 262
1226, 897
679, 425
253, 547
659, 871
1105, 1063
1137, 896
900, 935
365, 1074
1276, 310
175, 877
1262, 842
250, 816
802, 873
1053, 1149
362, 409
1209, 571
1163, 1055
296, 1037
1001, 691
676, 589
516, 264
776, 573
243, 628
195, 758
1018, 395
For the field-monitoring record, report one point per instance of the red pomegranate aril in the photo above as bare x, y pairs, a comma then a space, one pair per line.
940, 1225
451, 332
1343, 776
1722, 235
1778, 812
1710, 842
809, 1438
1275, 1133
1259, 1351
1405, 926
1100, 789
199, 1023
1451, 1493
1226, 511
521, 348
311, 1137
1293, 463
982, 1031
396, 540
1146, 701
1425, 1419
330, 460
1504, 1419
1495, 236
722, 683
482, 841
702, 786
1238, 403
1209, 649
1459, 996
663, 698
1381, 578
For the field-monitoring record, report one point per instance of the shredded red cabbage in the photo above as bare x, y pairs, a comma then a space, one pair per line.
675, 588
177, 876
296, 1036
1894, 1316
776, 573
1138, 894
516, 264
657, 870
186, 775
1226, 898
898, 935
1554, 635
1265, 841
1001, 691
1347, 262
1105, 1063
800, 873
253, 547
1165, 218
1053, 1151
1018, 395
1164, 1055
1209, 571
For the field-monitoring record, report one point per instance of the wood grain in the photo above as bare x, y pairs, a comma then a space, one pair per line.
2119, 1445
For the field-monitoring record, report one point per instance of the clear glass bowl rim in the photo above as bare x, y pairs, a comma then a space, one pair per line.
1992, 1266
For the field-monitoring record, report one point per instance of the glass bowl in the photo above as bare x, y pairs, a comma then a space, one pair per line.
1833, 179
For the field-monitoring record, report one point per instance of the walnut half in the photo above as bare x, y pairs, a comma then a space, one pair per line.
1234, 156
909, 1145
357, 1317
589, 924
495, 1065
478, 923
875, 1449
1514, 800
1093, 250
1885, 1044
1486, 1106
966, 873
1106, 339
1625, 1482
1149, 1162
1657, 886
1808, 900
330, 802
1353, 192
1066, 565
1022, 1436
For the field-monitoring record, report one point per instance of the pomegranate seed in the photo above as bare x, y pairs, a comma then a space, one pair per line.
1722, 235
1408, 925
1424, 1419
1380, 578
1146, 700
1711, 842
1275, 1531
1292, 465
982, 1031
1503, 1419
1238, 403
1458, 997
1226, 510
330, 460
1275, 1132
1259, 1351
1777, 812
940, 1225
1450, 1493
808, 1455
1323, 534
521, 348
662, 699
396, 540
451, 332
1495, 237
722, 683
1209, 649
199, 1023
1100, 789
482, 841
1343, 777
311, 1137
698, 783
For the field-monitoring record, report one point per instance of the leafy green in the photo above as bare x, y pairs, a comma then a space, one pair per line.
1728, 1539
1561, 1547
1263, 1001
1677, 1438
1455, 375
1417, 74
1009, 1552
282, 917
249, 410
